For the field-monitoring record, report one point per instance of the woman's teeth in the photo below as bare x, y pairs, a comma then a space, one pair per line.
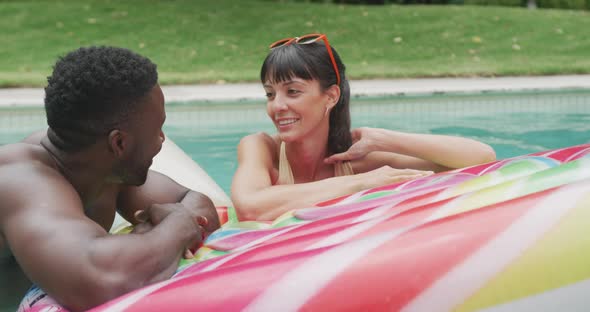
286, 121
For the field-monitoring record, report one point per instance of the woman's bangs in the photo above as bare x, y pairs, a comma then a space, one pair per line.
285, 65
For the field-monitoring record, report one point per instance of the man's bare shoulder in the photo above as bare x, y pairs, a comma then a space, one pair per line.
21, 152
30, 186
27, 170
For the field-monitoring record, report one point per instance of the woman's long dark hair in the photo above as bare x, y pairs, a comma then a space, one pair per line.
308, 62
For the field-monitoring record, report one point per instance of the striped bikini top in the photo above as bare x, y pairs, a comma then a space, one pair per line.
286, 175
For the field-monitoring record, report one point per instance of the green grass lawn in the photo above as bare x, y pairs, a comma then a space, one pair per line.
226, 40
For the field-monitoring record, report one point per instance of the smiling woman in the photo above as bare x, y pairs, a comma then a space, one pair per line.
315, 156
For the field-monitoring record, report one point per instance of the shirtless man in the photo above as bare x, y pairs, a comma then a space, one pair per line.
58, 197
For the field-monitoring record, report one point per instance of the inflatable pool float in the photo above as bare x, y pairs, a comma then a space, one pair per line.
511, 235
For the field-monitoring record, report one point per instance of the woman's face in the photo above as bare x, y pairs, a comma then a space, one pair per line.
297, 107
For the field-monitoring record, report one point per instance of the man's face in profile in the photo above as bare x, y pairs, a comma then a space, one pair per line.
146, 136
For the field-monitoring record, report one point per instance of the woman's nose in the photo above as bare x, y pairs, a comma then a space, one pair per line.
279, 104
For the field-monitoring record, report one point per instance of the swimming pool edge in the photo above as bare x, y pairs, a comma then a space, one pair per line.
33, 97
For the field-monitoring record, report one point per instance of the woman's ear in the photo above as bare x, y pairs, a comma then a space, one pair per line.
333, 93
118, 142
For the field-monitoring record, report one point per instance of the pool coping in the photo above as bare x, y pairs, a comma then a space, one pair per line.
27, 97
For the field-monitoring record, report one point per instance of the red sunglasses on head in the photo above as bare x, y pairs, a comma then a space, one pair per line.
307, 39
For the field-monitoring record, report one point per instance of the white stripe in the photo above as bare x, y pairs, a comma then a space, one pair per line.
569, 298
451, 190
247, 247
344, 234
372, 220
549, 153
377, 215
517, 189
346, 200
496, 178
321, 269
497, 165
469, 276
579, 153
377, 212
303, 282
140, 294
444, 210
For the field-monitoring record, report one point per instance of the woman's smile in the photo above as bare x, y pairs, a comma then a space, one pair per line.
285, 123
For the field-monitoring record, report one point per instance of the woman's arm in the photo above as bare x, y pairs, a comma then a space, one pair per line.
418, 151
256, 198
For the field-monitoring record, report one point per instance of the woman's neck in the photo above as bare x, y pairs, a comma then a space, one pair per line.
306, 158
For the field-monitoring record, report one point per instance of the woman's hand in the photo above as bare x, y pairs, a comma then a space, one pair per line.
362, 144
386, 175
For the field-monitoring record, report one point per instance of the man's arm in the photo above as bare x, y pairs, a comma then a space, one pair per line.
70, 256
160, 189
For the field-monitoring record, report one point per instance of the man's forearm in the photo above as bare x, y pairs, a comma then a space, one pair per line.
127, 262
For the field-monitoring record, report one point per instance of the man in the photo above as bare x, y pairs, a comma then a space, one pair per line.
58, 198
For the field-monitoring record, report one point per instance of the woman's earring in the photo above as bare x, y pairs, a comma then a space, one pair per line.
326, 113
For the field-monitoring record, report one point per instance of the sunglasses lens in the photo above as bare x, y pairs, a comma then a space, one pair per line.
279, 43
308, 39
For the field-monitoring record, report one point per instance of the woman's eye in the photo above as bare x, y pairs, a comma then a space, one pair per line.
293, 91
269, 94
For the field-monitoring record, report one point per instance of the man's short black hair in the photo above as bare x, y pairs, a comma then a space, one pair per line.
92, 90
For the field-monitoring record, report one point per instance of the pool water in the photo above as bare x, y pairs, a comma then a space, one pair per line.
512, 123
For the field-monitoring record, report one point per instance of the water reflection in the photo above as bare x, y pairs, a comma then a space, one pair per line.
13, 283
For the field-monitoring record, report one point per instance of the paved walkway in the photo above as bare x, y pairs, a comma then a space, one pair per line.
254, 91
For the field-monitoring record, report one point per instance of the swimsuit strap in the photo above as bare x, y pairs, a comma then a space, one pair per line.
343, 168
286, 174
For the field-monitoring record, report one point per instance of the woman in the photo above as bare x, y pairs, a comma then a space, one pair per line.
315, 156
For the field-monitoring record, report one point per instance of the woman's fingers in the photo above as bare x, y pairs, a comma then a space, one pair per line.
338, 157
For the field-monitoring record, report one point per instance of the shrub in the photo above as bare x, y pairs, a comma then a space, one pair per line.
361, 1
512, 3
563, 4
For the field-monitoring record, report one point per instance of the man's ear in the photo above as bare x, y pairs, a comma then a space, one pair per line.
118, 142
333, 93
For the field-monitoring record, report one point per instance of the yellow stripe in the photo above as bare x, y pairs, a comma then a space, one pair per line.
557, 259
484, 197
508, 172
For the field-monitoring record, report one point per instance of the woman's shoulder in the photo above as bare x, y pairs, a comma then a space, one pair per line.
260, 142
260, 138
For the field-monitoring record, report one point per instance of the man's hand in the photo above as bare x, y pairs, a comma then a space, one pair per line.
156, 213
199, 204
